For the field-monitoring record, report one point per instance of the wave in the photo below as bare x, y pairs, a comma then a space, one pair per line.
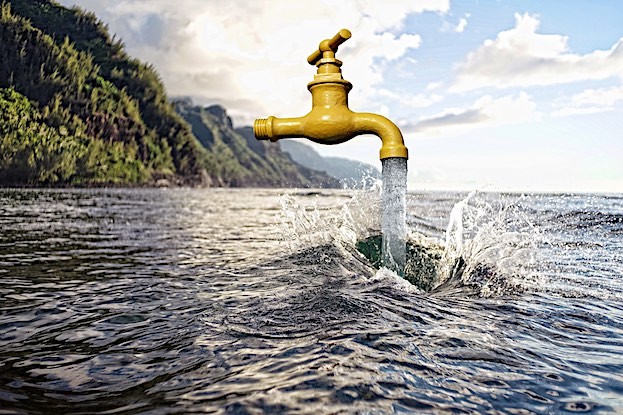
584, 219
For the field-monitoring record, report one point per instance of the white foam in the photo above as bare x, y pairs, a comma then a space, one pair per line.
386, 277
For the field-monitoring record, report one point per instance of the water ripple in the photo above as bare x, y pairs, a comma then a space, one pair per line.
177, 301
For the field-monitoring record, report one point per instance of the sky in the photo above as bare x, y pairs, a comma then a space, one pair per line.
490, 95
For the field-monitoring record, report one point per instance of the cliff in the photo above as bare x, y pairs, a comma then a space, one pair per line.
238, 159
76, 109
93, 115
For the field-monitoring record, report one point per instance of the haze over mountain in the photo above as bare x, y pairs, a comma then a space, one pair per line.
350, 173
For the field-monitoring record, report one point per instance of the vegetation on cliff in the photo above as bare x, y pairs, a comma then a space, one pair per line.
75, 109
238, 159
84, 88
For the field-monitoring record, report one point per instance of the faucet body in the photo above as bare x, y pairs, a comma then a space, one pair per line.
330, 121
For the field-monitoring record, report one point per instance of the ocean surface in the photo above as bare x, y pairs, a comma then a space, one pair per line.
158, 301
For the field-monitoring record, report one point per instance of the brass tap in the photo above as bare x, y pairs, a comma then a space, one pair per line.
330, 121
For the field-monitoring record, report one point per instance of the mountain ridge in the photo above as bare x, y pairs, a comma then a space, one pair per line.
242, 159
77, 110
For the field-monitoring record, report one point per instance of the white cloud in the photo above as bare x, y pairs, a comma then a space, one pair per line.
605, 97
251, 56
568, 111
485, 112
407, 100
590, 101
434, 85
521, 57
460, 27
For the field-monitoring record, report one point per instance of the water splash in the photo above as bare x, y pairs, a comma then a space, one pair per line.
491, 246
306, 221
393, 216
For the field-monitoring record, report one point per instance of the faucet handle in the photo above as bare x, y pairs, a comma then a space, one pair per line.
329, 45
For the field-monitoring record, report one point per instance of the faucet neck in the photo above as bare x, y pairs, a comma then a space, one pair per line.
329, 88
329, 94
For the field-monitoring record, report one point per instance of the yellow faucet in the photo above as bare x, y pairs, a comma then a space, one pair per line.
330, 121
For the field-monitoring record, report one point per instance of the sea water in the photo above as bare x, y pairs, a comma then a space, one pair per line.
256, 301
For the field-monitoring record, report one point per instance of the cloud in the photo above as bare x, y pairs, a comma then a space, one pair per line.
460, 27
434, 85
590, 101
405, 99
521, 57
427, 176
605, 97
451, 119
485, 112
251, 56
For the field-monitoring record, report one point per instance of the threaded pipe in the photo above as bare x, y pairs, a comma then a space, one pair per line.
262, 128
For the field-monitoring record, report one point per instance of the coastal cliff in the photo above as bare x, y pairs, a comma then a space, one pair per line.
77, 110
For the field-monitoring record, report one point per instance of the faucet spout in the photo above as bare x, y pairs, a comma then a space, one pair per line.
330, 121
335, 128
391, 138
273, 128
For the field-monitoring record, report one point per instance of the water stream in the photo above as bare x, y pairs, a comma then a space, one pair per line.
393, 214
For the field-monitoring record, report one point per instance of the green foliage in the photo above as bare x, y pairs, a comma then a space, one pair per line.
35, 153
81, 82
30, 151
138, 81
76, 109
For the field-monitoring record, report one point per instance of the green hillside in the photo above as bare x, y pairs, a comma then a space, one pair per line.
75, 109
115, 119
242, 160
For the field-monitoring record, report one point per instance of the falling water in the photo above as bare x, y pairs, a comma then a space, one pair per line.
393, 216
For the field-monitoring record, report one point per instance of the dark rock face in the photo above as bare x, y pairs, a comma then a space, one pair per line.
220, 114
254, 144
236, 159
